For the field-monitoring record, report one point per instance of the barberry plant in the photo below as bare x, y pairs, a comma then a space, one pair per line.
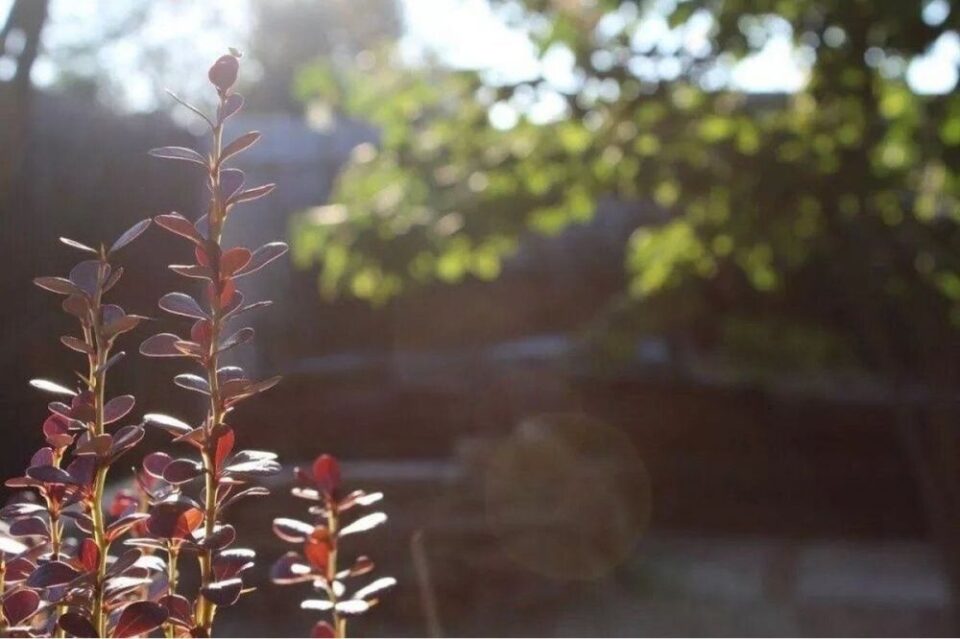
73, 564
320, 562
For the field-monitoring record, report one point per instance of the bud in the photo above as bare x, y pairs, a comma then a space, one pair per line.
223, 73
326, 473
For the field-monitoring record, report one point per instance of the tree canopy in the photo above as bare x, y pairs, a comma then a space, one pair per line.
834, 205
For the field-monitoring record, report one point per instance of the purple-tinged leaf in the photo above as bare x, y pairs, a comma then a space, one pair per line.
21, 509
179, 225
43, 457
168, 423
139, 618
192, 270
182, 304
130, 235
116, 357
98, 446
118, 408
161, 345
19, 605
51, 387
52, 573
253, 491
174, 520
233, 562
192, 382
77, 625
231, 180
223, 593
292, 530
263, 256
374, 587
76, 344
51, 475
82, 469
88, 275
124, 524
29, 527
230, 106
252, 194
186, 104
56, 430
242, 143
155, 462
79, 246
223, 535
123, 562
78, 306
179, 153
242, 336
125, 439
180, 471
365, 523
59, 285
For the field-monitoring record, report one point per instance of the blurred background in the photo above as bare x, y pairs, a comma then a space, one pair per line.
644, 314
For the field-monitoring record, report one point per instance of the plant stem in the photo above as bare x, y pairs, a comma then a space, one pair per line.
205, 609
97, 384
169, 630
333, 523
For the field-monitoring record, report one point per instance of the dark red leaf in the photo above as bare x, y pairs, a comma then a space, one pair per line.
139, 618
73, 623
326, 473
78, 306
317, 549
234, 260
224, 448
322, 630
125, 439
174, 520
19, 605
179, 610
89, 554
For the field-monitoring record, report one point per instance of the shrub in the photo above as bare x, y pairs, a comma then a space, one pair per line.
71, 564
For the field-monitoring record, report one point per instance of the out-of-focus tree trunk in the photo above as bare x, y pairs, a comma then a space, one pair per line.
20, 39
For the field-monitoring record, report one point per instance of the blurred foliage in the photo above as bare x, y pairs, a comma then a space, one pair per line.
836, 204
